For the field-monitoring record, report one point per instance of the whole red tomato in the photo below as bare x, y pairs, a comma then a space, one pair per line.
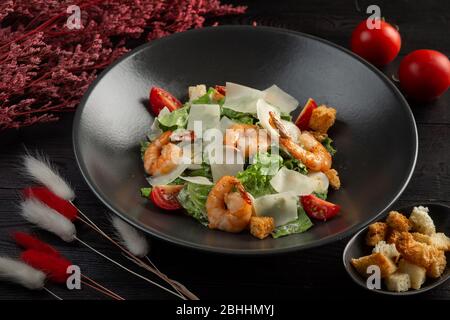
379, 45
424, 74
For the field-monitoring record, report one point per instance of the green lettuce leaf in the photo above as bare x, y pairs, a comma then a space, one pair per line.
256, 178
144, 146
321, 195
175, 120
286, 116
145, 192
296, 165
193, 198
300, 225
204, 171
327, 143
206, 98
239, 117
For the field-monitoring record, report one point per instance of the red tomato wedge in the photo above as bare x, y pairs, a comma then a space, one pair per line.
160, 98
165, 197
303, 118
319, 209
221, 89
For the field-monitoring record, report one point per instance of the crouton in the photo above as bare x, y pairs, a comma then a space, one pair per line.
376, 232
196, 92
440, 241
421, 221
322, 118
419, 253
333, 177
398, 282
388, 250
438, 263
261, 227
384, 263
420, 237
398, 221
392, 236
319, 136
417, 274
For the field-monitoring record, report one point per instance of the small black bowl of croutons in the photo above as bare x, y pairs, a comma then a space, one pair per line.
404, 253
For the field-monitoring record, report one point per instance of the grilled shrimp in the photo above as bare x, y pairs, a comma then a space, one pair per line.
248, 138
310, 151
228, 205
161, 156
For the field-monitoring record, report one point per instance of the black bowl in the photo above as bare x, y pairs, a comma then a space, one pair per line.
356, 248
375, 134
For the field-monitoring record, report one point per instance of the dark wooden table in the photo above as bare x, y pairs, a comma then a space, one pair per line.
312, 273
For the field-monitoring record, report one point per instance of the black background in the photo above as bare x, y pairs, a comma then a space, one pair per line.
313, 273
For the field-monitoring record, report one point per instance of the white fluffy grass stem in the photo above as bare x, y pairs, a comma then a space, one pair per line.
39, 169
48, 219
128, 270
181, 289
132, 239
54, 295
16, 271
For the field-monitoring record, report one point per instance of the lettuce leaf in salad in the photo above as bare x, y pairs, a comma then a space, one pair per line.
174, 120
321, 195
239, 117
256, 177
193, 198
145, 192
300, 225
208, 98
144, 146
204, 171
295, 164
286, 116
327, 143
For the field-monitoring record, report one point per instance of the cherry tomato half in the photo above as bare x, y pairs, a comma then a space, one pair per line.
319, 209
303, 118
165, 196
424, 74
160, 98
378, 45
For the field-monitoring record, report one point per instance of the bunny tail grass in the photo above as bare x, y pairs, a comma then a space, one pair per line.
41, 170
18, 272
48, 219
133, 240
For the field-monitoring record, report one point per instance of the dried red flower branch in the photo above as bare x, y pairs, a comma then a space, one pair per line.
28, 241
45, 68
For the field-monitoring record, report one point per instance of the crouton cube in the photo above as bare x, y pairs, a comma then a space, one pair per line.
322, 118
440, 241
376, 232
261, 227
417, 274
392, 236
420, 237
385, 264
387, 249
333, 177
421, 221
196, 92
320, 136
398, 221
438, 263
398, 282
422, 254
